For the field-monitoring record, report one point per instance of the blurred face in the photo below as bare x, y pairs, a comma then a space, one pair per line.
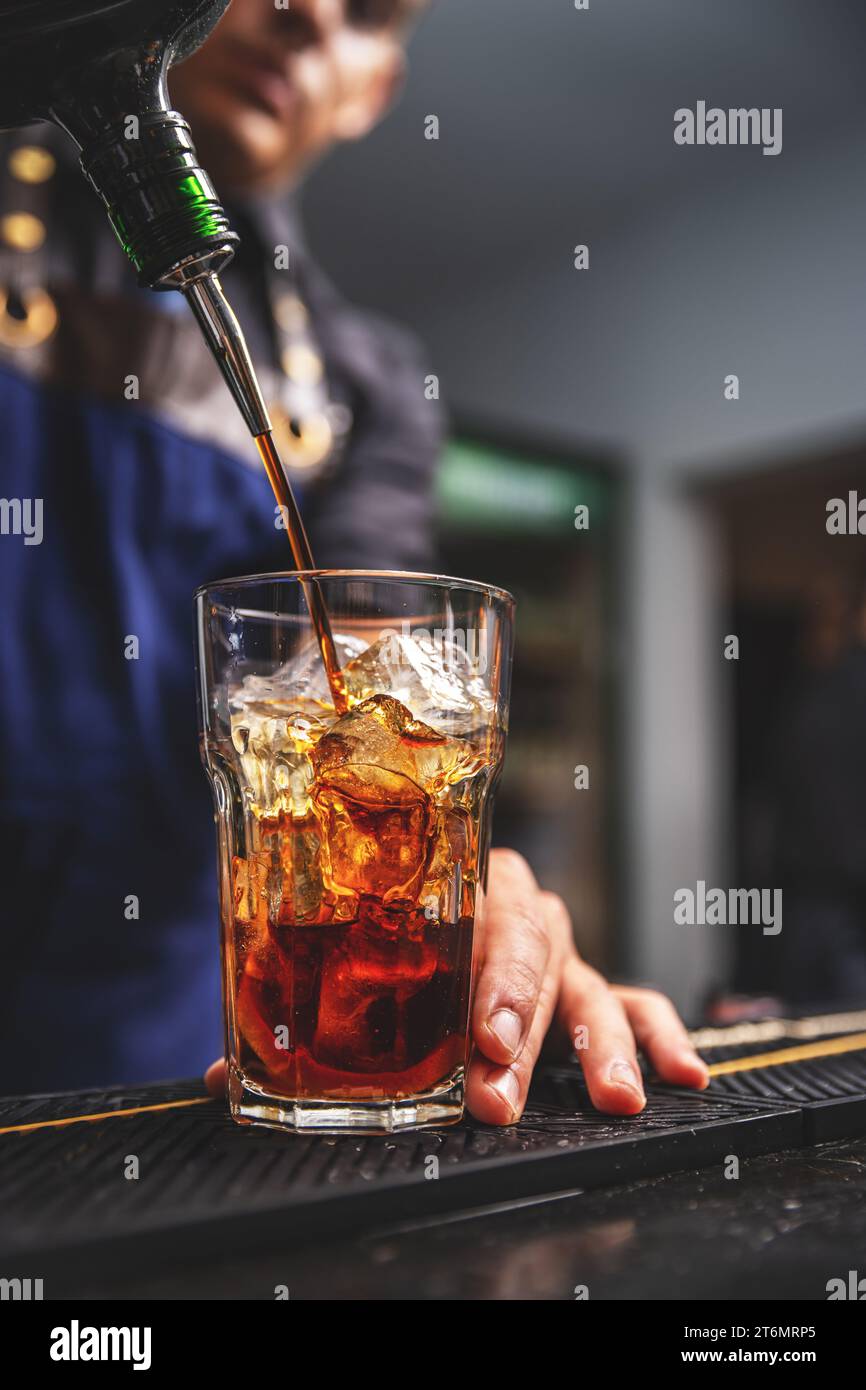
273, 88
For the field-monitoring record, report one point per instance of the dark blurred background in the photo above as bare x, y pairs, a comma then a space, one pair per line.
605, 387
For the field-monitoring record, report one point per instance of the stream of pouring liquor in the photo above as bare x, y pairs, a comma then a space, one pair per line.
303, 558
224, 337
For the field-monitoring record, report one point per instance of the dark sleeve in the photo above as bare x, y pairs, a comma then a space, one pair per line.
377, 510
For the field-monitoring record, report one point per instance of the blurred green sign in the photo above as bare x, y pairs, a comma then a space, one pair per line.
481, 487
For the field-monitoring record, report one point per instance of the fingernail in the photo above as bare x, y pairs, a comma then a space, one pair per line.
623, 1073
508, 1028
507, 1086
691, 1059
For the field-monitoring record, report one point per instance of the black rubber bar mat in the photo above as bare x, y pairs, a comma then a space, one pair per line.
171, 1175
829, 1089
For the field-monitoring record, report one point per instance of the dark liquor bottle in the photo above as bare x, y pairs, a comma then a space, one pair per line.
97, 68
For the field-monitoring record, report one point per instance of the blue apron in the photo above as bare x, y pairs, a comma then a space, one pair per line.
110, 931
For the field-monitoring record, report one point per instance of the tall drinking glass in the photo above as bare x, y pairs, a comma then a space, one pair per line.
352, 847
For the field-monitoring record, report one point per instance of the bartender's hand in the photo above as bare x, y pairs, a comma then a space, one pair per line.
532, 983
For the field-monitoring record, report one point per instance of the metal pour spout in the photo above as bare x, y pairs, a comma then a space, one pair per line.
199, 282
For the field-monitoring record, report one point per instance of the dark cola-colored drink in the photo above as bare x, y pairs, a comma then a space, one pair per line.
350, 941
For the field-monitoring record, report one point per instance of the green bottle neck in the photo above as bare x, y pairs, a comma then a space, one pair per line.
161, 203
139, 157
